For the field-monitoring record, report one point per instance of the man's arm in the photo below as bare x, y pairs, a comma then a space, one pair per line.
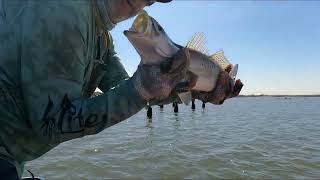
77, 118
54, 57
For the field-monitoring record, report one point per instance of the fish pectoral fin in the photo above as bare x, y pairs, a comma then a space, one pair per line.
185, 97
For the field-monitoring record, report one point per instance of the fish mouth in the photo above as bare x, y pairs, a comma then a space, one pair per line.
142, 25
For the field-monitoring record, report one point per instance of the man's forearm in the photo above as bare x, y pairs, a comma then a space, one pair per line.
90, 116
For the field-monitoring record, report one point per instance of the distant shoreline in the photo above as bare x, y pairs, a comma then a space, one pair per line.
316, 95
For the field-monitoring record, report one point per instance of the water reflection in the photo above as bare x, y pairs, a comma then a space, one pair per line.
149, 123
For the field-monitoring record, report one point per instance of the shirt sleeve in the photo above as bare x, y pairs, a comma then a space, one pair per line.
77, 118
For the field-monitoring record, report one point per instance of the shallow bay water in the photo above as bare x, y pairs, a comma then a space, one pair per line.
246, 138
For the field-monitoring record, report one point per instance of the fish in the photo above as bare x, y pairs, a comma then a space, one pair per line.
154, 46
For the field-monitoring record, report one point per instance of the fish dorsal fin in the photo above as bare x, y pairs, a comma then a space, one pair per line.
197, 43
220, 59
223, 62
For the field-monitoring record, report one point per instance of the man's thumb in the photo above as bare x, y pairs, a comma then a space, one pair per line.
178, 62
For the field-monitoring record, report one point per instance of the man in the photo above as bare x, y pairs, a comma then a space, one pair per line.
53, 55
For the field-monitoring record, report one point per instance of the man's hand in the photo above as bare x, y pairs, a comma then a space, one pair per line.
225, 88
156, 82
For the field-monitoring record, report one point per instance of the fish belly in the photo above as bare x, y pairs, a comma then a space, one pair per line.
206, 71
205, 84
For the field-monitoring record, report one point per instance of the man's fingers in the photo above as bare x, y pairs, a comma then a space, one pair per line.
188, 84
177, 63
181, 60
237, 88
166, 66
182, 87
192, 78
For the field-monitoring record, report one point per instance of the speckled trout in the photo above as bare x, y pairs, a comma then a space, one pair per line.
154, 46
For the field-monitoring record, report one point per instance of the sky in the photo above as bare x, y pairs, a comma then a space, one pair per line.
275, 43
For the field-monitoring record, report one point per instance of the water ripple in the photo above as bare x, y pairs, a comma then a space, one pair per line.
246, 138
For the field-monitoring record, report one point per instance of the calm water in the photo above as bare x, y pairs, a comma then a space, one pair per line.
244, 138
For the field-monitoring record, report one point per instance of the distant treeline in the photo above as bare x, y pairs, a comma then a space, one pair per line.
313, 95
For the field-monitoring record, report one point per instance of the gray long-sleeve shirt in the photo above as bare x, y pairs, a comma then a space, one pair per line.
52, 57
